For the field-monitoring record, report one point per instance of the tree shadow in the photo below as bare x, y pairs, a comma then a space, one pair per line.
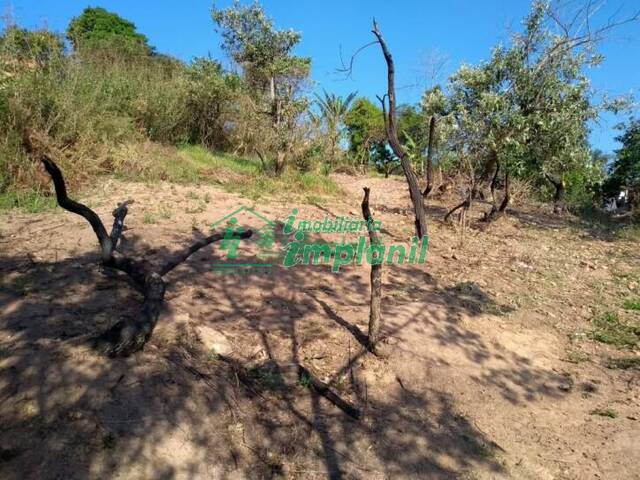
176, 409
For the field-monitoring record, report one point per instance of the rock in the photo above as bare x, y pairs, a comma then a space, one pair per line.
523, 266
214, 340
633, 286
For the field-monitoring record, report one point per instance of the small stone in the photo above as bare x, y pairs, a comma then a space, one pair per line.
214, 340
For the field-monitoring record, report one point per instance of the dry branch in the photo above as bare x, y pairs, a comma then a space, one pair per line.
392, 136
431, 146
129, 335
376, 277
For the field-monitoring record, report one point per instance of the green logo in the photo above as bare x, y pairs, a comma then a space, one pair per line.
297, 249
264, 239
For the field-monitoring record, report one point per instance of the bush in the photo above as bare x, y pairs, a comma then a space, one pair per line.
82, 110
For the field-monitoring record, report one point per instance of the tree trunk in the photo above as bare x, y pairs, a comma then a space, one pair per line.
507, 193
392, 136
497, 211
558, 197
432, 131
280, 162
376, 278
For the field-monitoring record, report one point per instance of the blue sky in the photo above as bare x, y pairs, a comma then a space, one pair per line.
418, 32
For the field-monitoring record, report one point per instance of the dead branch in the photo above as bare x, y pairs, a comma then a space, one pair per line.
376, 277
394, 142
431, 146
129, 335
324, 390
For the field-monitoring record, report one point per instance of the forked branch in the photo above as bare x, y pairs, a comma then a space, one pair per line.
129, 335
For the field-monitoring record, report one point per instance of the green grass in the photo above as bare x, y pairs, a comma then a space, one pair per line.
247, 176
632, 304
629, 233
191, 164
574, 356
610, 329
624, 363
607, 412
29, 201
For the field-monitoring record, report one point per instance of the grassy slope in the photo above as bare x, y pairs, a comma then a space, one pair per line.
151, 163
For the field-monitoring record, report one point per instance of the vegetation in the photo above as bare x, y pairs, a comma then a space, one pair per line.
499, 317
625, 169
522, 114
605, 412
611, 329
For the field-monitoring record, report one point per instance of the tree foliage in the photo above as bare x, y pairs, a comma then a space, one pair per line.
272, 72
625, 169
333, 110
99, 29
367, 137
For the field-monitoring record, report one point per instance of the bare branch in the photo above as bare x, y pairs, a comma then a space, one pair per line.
78, 208
181, 256
348, 70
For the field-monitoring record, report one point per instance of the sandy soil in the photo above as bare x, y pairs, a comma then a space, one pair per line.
490, 374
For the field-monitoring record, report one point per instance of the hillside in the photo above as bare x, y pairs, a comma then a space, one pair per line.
511, 353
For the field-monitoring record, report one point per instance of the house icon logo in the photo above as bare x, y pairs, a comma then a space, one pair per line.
245, 257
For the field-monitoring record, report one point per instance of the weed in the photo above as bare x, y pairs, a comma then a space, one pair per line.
610, 329
30, 201
22, 285
199, 209
148, 218
632, 304
608, 412
164, 211
304, 381
630, 233
624, 363
576, 357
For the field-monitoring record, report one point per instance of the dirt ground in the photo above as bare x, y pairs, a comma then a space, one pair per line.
491, 372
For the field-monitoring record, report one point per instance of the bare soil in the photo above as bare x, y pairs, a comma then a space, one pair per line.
490, 370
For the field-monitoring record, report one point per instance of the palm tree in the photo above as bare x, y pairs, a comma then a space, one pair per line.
333, 109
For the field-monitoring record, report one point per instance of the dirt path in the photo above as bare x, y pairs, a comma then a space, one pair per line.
491, 372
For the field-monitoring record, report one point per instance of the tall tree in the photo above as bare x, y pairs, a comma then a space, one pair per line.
367, 137
272, 70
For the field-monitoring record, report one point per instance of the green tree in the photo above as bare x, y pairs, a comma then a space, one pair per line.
212, 94
625, 170
413, 129
525, 112
270, 68
333, 110
366, 134
97, 29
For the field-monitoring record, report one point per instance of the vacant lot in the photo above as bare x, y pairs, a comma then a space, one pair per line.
511, 352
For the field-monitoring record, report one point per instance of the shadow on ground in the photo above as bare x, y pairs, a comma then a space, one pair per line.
176, 411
